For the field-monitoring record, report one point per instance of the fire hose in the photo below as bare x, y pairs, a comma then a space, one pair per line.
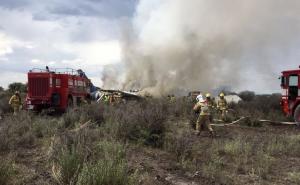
261, 120
227, 124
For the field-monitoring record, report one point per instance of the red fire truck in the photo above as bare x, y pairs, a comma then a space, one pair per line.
290, 100
57, 89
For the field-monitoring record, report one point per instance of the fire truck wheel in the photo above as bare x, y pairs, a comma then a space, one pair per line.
297, 114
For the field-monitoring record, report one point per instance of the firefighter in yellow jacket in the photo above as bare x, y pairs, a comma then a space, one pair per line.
15, 102
211, 105
222, 106
204, 116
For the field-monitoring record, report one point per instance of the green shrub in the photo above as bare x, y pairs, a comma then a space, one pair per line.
110, 168
104, 172
263, 165
284, 144
247, 95
16, 132
178, 144
214, 170
4, 106
294, 177
67, 166
237, 147
142, 122
71, 118
6, 171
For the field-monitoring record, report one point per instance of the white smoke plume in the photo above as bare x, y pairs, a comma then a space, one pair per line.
205, 44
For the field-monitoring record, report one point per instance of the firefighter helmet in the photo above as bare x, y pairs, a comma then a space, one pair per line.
222, 95
207, 95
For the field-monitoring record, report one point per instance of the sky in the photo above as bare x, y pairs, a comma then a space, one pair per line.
87, 34
70, 33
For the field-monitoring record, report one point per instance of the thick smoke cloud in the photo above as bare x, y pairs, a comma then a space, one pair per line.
201, 44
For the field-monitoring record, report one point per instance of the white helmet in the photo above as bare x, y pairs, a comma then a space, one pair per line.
199, 97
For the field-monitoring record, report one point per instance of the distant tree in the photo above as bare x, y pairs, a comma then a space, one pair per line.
1, 89
17, 86
247, 95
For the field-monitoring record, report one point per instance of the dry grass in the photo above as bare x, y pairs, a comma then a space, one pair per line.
7, 172
97, 154
110, 168
294, 177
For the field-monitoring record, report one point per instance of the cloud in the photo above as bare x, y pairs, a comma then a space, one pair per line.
14, 4
5, 45
60, 39
111, 9
7, 78
56, 9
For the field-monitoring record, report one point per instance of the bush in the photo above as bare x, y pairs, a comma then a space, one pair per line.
177, 143
213, 169
67, 166
247, 95
6, 171
261, 107
294, 177
180, 108
264, 165
82, 114
16, 132
109, 169
71, 118
288, 145
4, 106
237, 147
17, 86
140, 122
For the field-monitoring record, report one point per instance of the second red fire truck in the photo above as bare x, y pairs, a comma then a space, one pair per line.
290, 101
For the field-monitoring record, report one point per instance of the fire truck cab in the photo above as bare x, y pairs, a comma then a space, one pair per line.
58, 89
290, 101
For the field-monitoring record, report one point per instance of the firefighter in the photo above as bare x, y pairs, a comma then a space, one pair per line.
15, 102
211, 105
171, 98
204, 116
222, 106
106, 99
199, 97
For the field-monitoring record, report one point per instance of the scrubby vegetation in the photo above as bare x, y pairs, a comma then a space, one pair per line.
6, 171
147, 142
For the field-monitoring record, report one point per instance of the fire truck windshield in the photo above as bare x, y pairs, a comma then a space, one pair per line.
293, 81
